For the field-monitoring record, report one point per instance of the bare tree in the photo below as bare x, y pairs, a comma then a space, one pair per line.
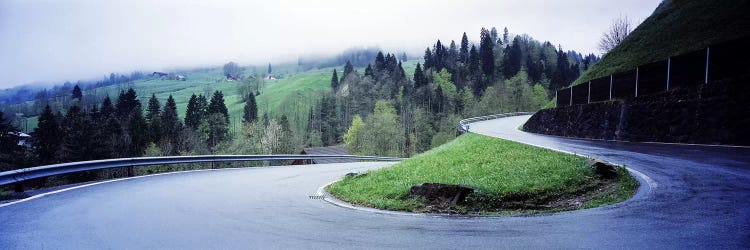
619, 30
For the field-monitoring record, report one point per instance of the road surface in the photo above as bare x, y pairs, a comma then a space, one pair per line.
701, 199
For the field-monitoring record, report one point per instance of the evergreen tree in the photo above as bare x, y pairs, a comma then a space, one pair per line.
193, 113
171, 124
419, 78
217, 105
428, 59
77, 93
486, 55
153, 119
561, 74
126, 103
379, 62
368, 71
269, 68
474, 70
334, 81
493, 34
46, 137
463, 53
513, 56
78, 139
250, 113
107, 109
138, 131
348, 68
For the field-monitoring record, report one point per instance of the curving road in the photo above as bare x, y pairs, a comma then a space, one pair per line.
700, 198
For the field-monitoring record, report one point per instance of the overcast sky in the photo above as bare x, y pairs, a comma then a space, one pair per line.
51, 41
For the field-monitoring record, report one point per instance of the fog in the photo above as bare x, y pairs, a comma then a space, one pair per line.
52, 41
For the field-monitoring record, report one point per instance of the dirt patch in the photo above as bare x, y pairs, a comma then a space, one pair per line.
477, 204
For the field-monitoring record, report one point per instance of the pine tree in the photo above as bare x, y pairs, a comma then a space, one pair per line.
153, 119
561, 75
78, 140
138, 130
475, 70
217, 105
107, 109
269, 68
486, 55
428, 59
77, 93
419, 77
250, 113
513, 58
192, 113
46, 136
334, 81
463, 53
126, 103
171, 125
348, 69
379, 62
368, 71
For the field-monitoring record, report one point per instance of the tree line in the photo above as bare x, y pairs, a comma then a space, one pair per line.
382, 111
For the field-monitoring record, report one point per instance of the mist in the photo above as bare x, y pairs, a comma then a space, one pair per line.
54, 41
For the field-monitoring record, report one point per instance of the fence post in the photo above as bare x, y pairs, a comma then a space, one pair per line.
610, 87
571, 96
669, 67
589, 98
708, 53
637, 74
557, 100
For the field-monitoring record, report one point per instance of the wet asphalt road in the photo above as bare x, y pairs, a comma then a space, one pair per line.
700, 198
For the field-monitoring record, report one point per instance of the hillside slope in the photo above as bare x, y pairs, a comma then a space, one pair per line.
675, 27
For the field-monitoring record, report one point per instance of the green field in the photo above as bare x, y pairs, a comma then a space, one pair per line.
674, 28
501, 170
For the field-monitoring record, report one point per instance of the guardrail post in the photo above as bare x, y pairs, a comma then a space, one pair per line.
589, 97
669, 67
637, 74
708, 53
610, 87
130, 171
18, 187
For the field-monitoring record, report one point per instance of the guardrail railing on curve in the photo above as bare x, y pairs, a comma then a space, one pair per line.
463, 125
19, 175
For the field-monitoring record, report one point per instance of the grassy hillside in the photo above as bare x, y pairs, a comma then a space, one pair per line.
674, 28
292, 95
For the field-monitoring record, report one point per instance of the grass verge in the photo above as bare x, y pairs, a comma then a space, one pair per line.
510, 178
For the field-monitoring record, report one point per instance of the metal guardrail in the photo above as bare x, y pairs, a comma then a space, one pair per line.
463, 125
19, 175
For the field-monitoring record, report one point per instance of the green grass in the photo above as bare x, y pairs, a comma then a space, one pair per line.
499, 169
674, 28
